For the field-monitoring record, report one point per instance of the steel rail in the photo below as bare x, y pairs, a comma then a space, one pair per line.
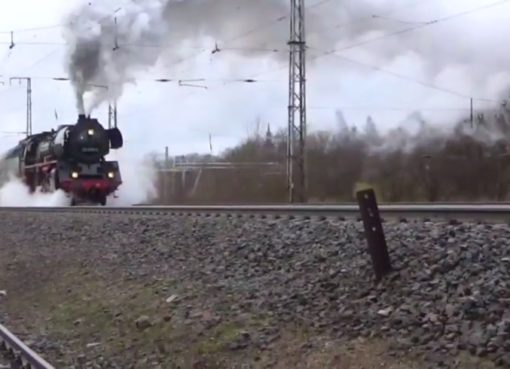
22, 355
471, 211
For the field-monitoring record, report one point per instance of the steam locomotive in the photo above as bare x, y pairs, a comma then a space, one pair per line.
71, 158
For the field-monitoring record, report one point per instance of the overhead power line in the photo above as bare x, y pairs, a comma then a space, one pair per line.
417, 27
24, 30
384, 15
264, 25
410, 79
336, 51
256, 29
55, 26
12, 44
260, 27
189, 82
391, 109
393, 34
156, 46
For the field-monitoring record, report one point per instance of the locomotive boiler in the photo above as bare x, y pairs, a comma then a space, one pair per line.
71, 158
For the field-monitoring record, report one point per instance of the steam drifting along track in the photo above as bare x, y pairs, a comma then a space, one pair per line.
499, 212
20, 353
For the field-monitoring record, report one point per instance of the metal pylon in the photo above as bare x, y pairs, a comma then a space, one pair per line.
112, 115
296, 141
28, 80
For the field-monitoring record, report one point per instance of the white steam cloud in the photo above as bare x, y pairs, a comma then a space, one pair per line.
464, 51
138, 180
138, 176
15, 193
456, 46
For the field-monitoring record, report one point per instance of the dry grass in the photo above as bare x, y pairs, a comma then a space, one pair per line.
80, 307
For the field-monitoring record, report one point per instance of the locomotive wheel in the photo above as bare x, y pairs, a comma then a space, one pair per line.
102, 200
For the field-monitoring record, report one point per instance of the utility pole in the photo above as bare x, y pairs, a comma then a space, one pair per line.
296, 140
115, 114
166, 175
112, 115
471, 110
29, 102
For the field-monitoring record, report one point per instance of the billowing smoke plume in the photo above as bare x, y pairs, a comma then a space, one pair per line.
463, 54
107, 50
105, 53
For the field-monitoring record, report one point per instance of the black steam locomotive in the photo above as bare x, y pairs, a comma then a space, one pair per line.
71, 158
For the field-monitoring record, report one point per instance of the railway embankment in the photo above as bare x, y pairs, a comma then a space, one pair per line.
136, 291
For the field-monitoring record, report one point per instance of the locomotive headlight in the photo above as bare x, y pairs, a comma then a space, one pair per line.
91, 132
74, 175
111, 174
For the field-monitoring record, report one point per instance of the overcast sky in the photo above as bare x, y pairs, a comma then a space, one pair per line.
467, 55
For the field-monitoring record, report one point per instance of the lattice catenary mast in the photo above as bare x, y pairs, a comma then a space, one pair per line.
112, 115
28, 80
296, 141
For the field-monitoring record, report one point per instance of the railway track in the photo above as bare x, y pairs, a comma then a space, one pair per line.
15, 354
486, 212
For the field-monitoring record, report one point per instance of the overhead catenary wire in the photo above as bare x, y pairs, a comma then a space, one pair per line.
390, 108
417, 27
410, 79
260, 27
50, 43
51, 53
351, 46
43, 58
263, 25
169, 80
247, 80
281, 18
383, 16
32, 29
56, 26
393, 34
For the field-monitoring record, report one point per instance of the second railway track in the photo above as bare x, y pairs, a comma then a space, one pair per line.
499, 212
18, 355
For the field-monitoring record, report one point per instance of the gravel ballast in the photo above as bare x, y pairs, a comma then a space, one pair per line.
236, 287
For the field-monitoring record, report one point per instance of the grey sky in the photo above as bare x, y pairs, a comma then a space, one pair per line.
467, 54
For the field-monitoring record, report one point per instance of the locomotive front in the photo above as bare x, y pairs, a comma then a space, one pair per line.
82, 169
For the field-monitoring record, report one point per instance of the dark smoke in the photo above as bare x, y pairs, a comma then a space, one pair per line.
85, 62
105, 55
162, 31
149, 31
